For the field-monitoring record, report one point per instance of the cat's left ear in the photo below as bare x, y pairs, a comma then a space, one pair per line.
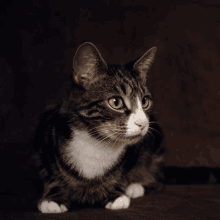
143, 64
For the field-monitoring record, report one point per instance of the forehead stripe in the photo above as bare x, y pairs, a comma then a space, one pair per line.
123, 89
127, 103
129, 90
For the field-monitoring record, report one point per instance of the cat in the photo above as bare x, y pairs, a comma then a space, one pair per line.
101, 146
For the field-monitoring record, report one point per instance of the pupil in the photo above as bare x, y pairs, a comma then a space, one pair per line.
116, 102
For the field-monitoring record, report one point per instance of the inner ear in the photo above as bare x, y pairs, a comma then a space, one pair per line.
88, 64
143, 65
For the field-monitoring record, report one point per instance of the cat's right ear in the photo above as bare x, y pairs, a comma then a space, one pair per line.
142, 65
87, 64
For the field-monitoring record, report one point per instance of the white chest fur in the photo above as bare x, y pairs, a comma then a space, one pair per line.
91, 157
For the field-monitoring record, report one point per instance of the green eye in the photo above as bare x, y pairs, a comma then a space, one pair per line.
146, 102
116, 103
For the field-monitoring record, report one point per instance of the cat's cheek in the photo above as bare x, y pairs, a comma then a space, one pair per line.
132, 129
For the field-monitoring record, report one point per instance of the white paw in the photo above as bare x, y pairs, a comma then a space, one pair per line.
135, 190
51, 207
121, 202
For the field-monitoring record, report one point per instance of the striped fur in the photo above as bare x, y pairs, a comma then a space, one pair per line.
90, 152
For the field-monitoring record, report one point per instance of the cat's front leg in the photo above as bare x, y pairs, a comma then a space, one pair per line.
122, 202
134, 190
46, 206
53, 199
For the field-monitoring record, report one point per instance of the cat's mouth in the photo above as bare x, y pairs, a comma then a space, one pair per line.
121, 136
133, 136
136, 136
138, 133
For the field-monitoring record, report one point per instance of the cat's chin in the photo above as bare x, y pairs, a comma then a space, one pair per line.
133, 139
127, 140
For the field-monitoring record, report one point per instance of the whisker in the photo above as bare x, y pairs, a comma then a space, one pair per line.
115, 141
153, 83
154, 122
156, 131
102, 140
148, 134
104, 134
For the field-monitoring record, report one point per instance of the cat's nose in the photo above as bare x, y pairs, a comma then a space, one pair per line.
141, 124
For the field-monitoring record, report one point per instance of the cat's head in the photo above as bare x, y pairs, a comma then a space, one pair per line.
112, 101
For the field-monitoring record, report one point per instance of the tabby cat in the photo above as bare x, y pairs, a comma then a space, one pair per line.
101, 146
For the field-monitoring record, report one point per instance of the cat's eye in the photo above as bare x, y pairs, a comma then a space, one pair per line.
146, 102
116, 103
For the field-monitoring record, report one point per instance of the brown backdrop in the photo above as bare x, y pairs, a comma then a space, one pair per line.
39, 39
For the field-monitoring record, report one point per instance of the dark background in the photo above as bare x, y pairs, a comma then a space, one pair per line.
38, 42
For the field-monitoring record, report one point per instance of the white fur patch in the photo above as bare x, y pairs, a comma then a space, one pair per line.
137, 123
51, 207
121, 202
91, 157
135, 190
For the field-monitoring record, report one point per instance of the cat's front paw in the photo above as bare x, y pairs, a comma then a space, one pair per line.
121, 202
135, 190
51, 207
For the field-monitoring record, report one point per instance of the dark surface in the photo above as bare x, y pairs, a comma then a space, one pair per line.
176, 202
